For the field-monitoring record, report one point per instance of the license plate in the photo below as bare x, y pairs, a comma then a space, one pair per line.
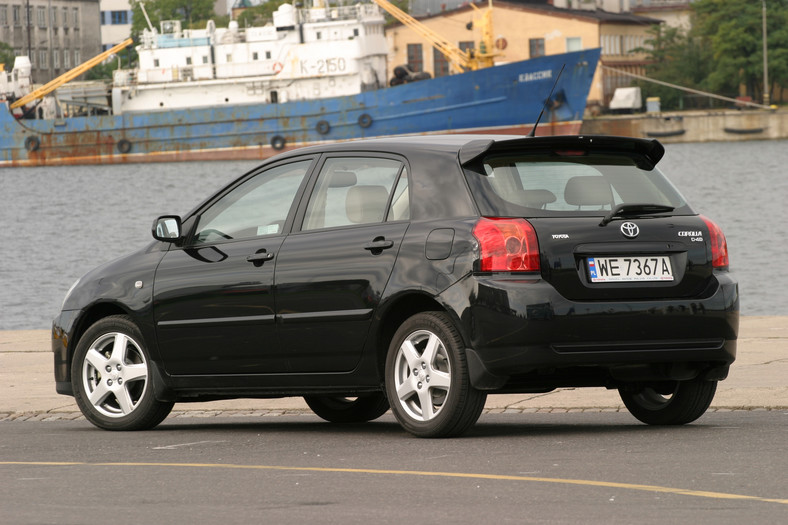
629, 269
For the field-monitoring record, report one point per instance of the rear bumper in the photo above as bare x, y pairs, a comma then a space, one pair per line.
523, 331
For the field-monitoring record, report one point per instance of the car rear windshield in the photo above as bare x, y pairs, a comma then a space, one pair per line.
567, 184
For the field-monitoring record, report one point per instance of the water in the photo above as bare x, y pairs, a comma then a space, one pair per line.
60, 222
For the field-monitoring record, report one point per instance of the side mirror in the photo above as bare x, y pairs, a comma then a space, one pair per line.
167, 228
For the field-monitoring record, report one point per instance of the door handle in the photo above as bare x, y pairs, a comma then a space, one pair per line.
378, 245
260, 258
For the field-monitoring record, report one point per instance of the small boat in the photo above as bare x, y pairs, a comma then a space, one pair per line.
668, 133
744, 131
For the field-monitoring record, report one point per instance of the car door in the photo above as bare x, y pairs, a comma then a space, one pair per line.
331, 274
214, 307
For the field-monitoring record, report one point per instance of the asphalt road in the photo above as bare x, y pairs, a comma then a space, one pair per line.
728, 467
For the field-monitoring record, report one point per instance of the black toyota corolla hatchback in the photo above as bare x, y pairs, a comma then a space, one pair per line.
416, 273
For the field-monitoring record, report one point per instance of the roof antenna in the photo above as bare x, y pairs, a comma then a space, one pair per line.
533, 131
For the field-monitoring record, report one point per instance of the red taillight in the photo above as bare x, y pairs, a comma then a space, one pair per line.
719, 247
507, 245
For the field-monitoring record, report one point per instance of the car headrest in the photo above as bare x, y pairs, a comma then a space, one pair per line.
588, 191
365, 204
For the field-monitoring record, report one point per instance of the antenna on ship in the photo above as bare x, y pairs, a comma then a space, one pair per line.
533, 131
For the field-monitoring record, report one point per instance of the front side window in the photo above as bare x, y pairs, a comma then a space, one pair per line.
567, 183
257, 207
354, 190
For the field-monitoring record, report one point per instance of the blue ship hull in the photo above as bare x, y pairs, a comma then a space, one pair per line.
504, 99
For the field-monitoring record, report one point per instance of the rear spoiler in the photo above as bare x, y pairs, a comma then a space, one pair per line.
648, 151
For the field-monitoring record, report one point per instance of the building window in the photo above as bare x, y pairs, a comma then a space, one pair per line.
188, 61
574, 43
255, 56
56, 59
536, 47
43, 59
66, 59
17, 15
155, 62
53, 17
75, 17
77, 58
119, 18
41, 16
3, 15
204, 59
268, 55
415, 58
64, 18
440, 64
318, 35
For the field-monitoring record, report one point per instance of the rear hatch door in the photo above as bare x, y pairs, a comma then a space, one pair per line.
631, 258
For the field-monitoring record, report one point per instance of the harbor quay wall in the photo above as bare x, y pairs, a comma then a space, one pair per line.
694, 126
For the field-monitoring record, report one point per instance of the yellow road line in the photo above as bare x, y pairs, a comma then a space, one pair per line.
462, 475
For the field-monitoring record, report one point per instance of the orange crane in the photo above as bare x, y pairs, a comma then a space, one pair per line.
459, 59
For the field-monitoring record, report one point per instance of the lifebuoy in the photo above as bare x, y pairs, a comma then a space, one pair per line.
32, 143
278, 67
323, 127
365, 120
278, 142
124, 146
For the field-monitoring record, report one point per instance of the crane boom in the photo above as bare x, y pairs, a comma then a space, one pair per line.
69, 75
461, 60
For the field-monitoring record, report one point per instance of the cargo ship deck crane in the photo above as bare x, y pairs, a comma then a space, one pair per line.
69, 75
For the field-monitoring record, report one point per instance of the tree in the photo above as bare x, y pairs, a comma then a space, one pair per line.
7, 56
189, 12
260, 14
105, 70
733, 31
675, 57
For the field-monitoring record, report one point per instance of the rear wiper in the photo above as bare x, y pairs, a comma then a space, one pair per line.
634, 209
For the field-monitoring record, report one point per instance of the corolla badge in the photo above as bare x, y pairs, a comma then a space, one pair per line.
630, 230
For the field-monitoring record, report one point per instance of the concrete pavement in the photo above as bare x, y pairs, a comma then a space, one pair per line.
758, 380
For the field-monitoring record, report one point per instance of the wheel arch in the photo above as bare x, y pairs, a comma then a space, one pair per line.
396, 312
99, 311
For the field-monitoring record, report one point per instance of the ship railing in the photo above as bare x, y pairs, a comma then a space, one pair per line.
353, 12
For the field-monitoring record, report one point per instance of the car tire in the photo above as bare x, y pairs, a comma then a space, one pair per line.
112, 379
427, 380
674, 403
348, 409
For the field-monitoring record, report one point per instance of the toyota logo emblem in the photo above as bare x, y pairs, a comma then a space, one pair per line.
630, 230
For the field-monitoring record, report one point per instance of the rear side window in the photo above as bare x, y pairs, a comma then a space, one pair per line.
355, 190
569, 183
